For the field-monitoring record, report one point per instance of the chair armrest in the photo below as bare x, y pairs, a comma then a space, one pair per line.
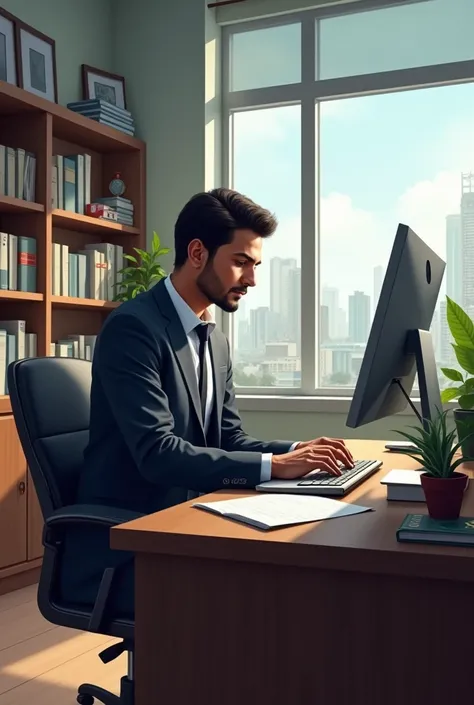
91, 514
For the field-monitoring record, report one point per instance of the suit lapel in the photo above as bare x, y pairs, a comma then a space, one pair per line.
179, 345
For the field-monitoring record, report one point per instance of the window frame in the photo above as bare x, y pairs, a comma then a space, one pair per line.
309, 93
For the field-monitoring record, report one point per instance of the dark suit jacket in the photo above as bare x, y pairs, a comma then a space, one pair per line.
147, 444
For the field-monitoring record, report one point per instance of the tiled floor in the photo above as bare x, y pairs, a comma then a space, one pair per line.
41, 664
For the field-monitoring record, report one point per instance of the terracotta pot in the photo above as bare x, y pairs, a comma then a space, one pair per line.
444, 495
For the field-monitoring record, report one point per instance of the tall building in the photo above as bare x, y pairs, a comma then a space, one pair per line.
378, 281
285, 293
359, 317
259, 325
467, 237
330, 299
324, 325
454, 265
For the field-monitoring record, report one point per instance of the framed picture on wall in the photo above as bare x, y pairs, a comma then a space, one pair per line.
101, 85
37, 62
8, 48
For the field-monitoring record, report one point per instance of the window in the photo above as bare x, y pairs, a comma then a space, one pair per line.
267, 166
343, 143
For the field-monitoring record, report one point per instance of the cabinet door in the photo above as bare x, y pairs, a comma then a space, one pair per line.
13, 496
35, 523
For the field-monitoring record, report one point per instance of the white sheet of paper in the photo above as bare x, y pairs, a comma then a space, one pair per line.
276, 510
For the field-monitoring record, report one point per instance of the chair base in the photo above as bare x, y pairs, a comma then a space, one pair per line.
88, 694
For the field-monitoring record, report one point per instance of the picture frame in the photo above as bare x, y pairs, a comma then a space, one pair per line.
37, 62
102, 85
8, 48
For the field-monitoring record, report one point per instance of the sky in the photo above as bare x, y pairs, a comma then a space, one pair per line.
384, 159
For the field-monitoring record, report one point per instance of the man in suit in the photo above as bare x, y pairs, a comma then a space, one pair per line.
164, 424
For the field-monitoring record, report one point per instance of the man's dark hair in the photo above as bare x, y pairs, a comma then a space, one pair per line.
212, 218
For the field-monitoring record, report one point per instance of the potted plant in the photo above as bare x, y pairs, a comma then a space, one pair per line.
434, 447
462, 331
144, 271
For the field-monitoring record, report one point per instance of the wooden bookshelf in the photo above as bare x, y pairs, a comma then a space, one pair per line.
47, 129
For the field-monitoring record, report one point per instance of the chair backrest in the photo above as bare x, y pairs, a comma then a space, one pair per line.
50, 400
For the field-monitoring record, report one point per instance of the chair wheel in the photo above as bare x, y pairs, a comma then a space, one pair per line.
85, 699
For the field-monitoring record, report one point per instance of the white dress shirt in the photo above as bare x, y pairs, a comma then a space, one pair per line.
190, 321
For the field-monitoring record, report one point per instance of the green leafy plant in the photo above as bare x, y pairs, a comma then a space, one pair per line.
462, 330
144, 271
434, 447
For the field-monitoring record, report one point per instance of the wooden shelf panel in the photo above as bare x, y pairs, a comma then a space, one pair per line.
67, 124
5, 405
7, 295
72, 302
8, 204
85, 224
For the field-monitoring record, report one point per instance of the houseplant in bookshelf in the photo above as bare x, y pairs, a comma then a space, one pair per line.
434, 448
143, 272
462, 389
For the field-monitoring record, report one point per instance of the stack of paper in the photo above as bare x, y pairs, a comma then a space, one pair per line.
275, 511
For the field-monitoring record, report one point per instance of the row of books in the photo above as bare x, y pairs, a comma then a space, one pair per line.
15, 344
77, 345
105, 113
17, 262
17, 173
71, 182
91, 273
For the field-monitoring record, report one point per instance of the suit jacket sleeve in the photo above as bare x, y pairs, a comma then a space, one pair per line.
127, 363
233, 436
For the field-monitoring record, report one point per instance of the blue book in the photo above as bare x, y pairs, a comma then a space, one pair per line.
73, 275
108, 115
96, 103
26, 264
11, 355
69, 191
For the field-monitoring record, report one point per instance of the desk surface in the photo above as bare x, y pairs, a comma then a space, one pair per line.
363, 543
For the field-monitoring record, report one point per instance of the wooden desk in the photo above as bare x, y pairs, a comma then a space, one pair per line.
330, 613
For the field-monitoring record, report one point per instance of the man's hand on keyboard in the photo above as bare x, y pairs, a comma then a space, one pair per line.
321, 454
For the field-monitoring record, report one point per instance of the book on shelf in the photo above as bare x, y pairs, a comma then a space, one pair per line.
71, 182
91, 273
421, 528
17, 173
15, 344
105, 113
78, 346
17, 263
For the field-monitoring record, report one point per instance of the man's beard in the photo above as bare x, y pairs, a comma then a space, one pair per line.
211, 286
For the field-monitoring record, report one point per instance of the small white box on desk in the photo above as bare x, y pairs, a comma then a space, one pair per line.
404, 485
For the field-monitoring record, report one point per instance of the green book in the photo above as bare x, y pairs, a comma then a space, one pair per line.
420, 528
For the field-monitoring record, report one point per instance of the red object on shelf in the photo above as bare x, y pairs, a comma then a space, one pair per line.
100, 210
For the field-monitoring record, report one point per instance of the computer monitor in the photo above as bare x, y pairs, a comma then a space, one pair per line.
400, 344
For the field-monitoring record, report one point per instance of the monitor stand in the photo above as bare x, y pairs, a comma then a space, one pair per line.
420, 344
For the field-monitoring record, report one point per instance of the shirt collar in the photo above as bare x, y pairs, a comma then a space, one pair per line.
186, 315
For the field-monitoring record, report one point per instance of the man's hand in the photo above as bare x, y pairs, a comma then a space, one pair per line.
320, 454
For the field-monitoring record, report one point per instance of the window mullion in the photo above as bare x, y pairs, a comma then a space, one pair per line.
309, 249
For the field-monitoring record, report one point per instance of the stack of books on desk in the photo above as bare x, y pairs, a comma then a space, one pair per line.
105, 113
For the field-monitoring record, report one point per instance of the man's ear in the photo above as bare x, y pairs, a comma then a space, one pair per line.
197, 254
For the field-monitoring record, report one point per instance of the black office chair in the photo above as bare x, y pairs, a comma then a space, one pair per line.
50, 399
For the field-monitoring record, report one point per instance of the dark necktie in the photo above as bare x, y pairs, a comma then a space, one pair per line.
203, 334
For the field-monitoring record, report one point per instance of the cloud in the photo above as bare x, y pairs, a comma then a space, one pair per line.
425, 205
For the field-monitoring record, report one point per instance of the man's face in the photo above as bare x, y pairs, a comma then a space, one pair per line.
226, 278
